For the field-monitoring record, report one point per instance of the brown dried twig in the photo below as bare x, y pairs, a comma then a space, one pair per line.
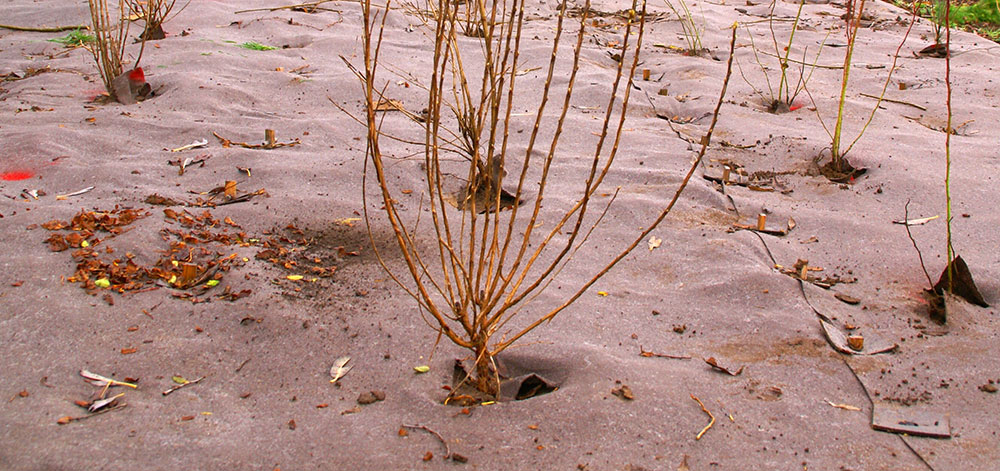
184, 384
43, 29
890, 100
270, 144
710, 416
647, 354
447, 450
310, 6
920, 256
67, 419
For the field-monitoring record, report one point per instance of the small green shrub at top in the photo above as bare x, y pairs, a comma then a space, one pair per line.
983, 11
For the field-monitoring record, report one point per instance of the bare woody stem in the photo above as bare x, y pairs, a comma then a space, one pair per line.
854, 11
663, 214
949, 251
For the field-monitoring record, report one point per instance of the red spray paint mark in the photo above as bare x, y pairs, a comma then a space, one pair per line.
16, 175
136, 75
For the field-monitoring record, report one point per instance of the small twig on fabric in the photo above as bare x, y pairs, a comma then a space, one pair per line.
67, 419
647, 354
56, 29
447, 450
710, 416
267, 145
313, 5
890, 100
798, 62
186, 383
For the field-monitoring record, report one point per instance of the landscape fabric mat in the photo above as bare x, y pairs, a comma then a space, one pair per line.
297, 285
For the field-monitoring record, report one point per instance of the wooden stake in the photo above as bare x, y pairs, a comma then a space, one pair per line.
856, 342
761, 219
188, 272
645, 74
725, 174
269, 137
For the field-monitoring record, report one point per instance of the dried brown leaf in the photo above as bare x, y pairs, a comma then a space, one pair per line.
55, 225
715, 365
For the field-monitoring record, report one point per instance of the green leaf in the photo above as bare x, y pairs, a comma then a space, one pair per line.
74, 38
102, 283
421, 369
256, 46
212, 283
180, 380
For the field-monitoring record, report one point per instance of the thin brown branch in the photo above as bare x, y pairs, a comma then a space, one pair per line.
308, 5
648, 354
184, 384
447, 449
44, 29
593, 183
371, 54
920, 256
663, 214
711, 417
890, 100
68, 419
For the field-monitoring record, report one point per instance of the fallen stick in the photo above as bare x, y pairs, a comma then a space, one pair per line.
67, 419
182, 385
842, 406
267, 145
710, 416
313, 5
648, 354
890, 100
75, 193
447, 450
42, 29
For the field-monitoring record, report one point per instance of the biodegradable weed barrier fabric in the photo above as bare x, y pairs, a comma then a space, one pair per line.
297, 285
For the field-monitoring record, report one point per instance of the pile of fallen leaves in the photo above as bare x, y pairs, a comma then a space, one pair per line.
291, 251
218, 196
192, 263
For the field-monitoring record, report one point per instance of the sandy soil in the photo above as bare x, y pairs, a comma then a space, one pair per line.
265, 343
